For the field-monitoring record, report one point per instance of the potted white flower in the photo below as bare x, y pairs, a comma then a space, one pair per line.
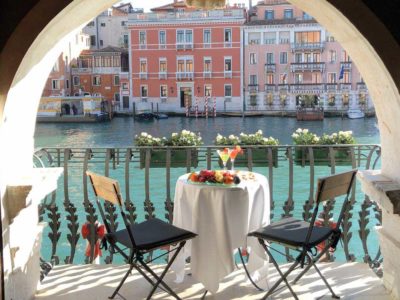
179, 156
253, 141
321, 154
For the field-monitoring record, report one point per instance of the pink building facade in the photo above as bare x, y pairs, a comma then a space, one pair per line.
187, 60
291, 60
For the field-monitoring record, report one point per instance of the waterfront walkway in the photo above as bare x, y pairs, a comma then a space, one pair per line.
96, 282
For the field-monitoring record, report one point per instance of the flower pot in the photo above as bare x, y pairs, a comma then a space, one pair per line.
321, 156
158, 158
259, 158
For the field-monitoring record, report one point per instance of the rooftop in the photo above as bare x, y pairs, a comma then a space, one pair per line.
198, 15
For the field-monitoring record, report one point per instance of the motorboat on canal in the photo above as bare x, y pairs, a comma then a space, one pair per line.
355, 114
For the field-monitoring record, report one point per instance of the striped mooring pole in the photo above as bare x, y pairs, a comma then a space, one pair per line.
215, 107
197, 107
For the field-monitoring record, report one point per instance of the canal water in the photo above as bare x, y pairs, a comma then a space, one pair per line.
120, 132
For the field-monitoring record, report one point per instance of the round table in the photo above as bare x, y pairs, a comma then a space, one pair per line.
222, 216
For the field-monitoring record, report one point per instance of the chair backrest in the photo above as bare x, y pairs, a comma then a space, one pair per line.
105, 188
330, 187
108, 189
335, 185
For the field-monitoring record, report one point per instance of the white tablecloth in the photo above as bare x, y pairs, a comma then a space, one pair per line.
221, 216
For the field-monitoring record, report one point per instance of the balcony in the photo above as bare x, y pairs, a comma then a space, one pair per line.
228, 74
361, 87
307, 88
77, 71
252, 88
106, 70
308, 47
352, 281
162, 75
308, 66
345, 86
184, 75
228, 44
283, 87
143, 75
254, 42
331, 87
270, 41
270, 68
207, 74
89, 281
346, 65
270, 88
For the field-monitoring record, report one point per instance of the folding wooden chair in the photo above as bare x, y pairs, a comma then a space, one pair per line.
304, 236
138, 239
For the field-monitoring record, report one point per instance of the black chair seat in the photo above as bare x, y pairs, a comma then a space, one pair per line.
292, 232
151, 234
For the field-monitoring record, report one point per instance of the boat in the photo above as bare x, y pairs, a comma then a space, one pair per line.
77, 109
159, 116
310, 114
355, 114
144, 116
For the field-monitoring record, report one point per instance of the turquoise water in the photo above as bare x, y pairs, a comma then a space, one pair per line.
120, 133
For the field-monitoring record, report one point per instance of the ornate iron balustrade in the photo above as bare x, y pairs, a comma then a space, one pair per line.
270, 68
308, 66
71, 206
308, 88
346, 65
308, 46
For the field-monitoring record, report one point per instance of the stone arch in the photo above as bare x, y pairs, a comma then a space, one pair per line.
32, 48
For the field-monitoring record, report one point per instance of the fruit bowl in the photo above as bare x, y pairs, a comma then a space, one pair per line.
212, 177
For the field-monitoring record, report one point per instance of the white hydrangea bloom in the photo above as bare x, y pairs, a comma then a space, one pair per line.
144, 134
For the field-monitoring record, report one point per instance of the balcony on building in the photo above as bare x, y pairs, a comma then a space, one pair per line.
308, 46
79, 70
308, 66
361, 86
270, 88
283, 87
207, 74
345, 65
201, 15
162, 75
352, 276
184, 46
346, 86
228, 74
254, 42
270, 68
331, 87
106, 70
253, 88
184, 75
143, 75
307, 88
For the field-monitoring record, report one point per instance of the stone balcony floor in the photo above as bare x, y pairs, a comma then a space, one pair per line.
97, 282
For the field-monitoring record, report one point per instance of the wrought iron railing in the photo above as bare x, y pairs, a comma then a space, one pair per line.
291, 171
